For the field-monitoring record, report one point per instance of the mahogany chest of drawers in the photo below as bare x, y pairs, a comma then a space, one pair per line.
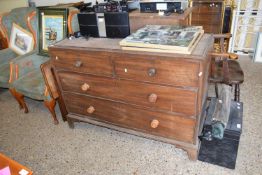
154, 95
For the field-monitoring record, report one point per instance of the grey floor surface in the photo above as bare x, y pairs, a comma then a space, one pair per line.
34, 141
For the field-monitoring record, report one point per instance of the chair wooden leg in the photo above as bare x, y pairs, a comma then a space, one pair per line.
237, 93
216, 90
12, 91
51, 107
20, 98
62, 108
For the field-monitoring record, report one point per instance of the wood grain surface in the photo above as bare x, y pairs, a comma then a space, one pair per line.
170, 126
161, 95
169, 98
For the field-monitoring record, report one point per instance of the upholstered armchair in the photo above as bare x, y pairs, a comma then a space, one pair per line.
19, 16
27, 80
26, 77
15, 69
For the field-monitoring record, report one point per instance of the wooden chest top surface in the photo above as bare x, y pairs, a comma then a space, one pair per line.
106, 44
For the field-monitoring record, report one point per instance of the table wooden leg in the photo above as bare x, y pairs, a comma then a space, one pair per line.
71, 123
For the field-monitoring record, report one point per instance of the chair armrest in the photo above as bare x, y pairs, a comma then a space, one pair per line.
225, 55
73, 24
221, 55
233, 56
224, 35
48, 75
3, 39
25, 63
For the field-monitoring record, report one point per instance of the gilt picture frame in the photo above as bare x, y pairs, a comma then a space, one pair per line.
21, 41
52, 27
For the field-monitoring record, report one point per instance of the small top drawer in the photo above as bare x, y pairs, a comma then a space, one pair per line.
82, 61
178, 72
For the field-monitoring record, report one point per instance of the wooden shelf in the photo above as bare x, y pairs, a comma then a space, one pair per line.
138, 20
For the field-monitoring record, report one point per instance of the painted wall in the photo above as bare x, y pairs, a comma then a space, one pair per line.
7, 5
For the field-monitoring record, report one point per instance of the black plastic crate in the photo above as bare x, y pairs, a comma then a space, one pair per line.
223, 152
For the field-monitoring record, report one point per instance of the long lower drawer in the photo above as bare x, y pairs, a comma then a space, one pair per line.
155, 123
161, 97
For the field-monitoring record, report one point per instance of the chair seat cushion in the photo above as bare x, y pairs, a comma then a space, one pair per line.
235, 73
31, 85
4, 75
6, 55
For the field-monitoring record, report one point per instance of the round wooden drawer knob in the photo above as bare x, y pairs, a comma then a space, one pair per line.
85, 87
154, 123
152, 98
90, 110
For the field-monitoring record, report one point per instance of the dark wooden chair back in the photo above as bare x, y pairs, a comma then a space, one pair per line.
225, 68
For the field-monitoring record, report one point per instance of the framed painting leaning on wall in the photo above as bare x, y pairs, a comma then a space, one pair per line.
258, 49
52, 27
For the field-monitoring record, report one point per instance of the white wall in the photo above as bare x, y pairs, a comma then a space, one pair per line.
54, 2
7, 5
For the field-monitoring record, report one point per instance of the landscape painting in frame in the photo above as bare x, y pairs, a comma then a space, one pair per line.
53, 27
164, 37
21, 41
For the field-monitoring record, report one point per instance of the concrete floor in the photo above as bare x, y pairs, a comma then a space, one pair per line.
34, 141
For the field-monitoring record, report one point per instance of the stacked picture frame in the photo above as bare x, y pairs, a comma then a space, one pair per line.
52, 27
164, 38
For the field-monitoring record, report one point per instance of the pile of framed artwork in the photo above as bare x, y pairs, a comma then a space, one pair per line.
164, 38
52, 28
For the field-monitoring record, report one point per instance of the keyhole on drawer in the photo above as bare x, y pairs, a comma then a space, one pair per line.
152, 98
125, 70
